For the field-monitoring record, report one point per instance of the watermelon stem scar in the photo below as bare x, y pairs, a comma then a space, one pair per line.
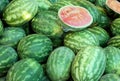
75, 16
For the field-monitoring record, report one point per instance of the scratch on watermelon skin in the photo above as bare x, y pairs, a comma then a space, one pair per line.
25, 70
36, 46
89, 64
16, 14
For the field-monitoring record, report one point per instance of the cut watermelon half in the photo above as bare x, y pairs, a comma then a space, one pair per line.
114, 5
75, 16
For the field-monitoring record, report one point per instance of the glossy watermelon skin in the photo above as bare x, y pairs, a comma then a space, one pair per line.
100, 34
16, 14
114, 41
115, 26
61, 57
25, 70
1, 27
89, 64
11, 36
110, 77
77, 40
47, 23
8, 56
37, 46
112, 60
3, 4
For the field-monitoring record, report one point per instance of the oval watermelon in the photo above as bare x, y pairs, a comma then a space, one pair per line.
25, 70
8, 56
59, 63
35, 46
18, 12
89, 64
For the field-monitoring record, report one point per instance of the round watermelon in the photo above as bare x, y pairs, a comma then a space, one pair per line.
36, 46
25, 70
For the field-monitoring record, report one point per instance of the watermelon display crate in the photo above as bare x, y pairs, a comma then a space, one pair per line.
59, 40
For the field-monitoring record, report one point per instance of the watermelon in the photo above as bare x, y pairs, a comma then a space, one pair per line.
25, 70
1, 27
110, 77
47, 23
100, 34
43, 4
8, 56
89, 64
11, 36
59, 63
112, 60
115, 26
75, 17
77, 40
114, 41
3, 4
18, 12
36, 46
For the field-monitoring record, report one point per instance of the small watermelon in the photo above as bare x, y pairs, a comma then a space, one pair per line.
37, 46
25, 70
59, 63
110, 77
18, 12
89, 64
8, 56
11, 36
115, 26
114, 41
112, 60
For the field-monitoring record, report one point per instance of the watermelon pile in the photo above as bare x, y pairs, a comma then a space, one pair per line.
59, 40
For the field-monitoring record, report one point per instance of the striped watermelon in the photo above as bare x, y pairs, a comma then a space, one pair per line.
112, 60
115, 26
3, 4
18, 12
89, 64
11, 36
59, 63
25, 70
8, 57
77, 40
1, 27
110, 77
100, 34
114, 41
47, 23
35, 46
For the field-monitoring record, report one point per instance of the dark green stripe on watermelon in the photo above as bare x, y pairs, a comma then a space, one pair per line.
1, 27
11, 36
35, 46
115, 26
8, 57
114, 41
47, 22
77, 40
18, 12
100, 34
59, 63
112, 60
25, 70
89, 64
110, 77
